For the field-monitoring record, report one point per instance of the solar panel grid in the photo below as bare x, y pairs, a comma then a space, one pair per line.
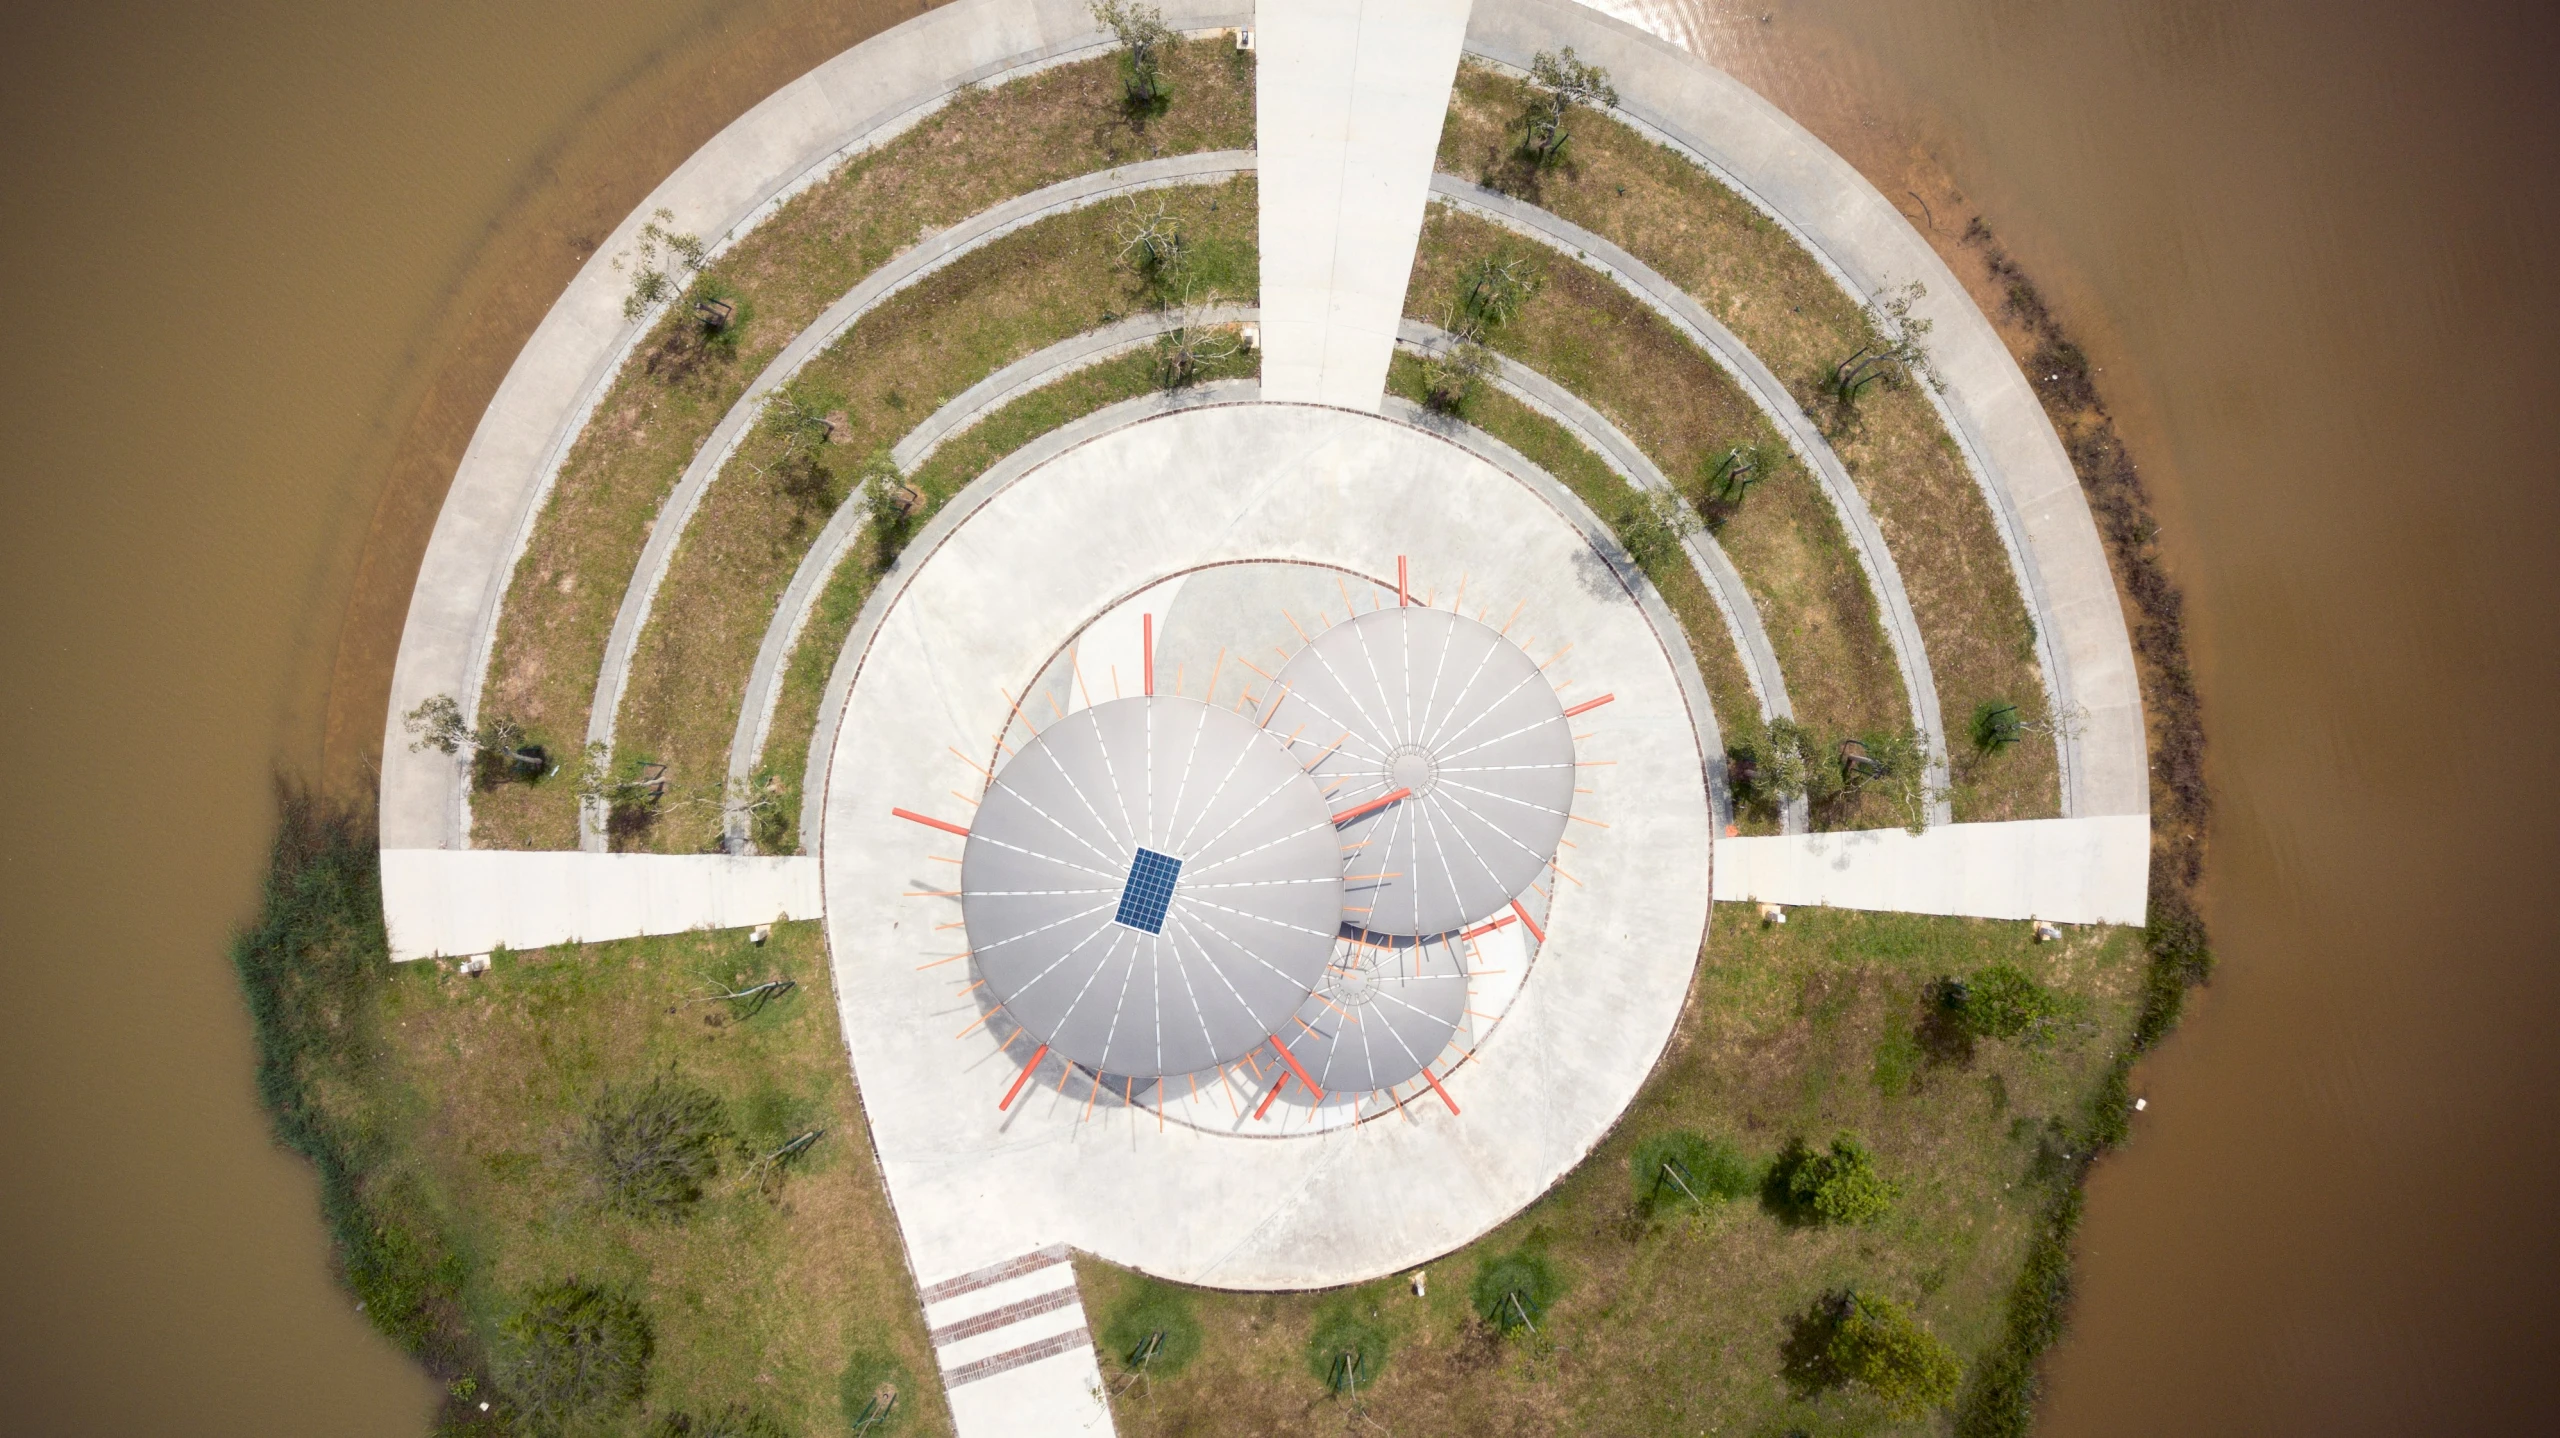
1148, 892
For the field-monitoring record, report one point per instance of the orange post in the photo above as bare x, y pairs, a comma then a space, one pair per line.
1534, 931
1291, 1060
1588, 705
1022, 1078
1147, 640
930, 823
1482, 929
1268, 1097
1444, 1093
1402, 597
1374, 805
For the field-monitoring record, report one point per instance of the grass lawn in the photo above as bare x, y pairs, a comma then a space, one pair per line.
984, 147
949, 469
1583, 332
1690, 1319
1770, 292
1031, 289
1551, 447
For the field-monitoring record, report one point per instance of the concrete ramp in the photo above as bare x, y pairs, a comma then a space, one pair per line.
2071, 871
446, 902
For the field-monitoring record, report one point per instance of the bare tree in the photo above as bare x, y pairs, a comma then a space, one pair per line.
1564, 82
1144, 38
1894, 347
1185, 353
1153, 245
663, 255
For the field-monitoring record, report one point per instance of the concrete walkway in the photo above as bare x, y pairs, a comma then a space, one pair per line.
860, 99
469, 901
910, 267
1348, 100
1871, 248
800, 598
2071, 871
1648, 286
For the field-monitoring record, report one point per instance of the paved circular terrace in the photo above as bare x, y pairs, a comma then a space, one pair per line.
1214, 1182
1151, 887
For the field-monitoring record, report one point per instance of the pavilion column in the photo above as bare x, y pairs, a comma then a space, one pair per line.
1349, 99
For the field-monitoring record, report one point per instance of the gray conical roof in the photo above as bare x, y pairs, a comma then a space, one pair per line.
1431, 701
1384, 1010
1151, 886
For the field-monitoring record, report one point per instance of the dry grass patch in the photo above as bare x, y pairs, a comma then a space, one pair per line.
1548, 445
1681, 1322
1764, 286
1046, 283
984, 147
762, 1292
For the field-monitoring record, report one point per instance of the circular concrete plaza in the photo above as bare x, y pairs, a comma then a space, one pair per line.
1200, 550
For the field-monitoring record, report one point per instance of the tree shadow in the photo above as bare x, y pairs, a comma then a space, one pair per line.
1778, 1186
1946, 1040
1804, 1359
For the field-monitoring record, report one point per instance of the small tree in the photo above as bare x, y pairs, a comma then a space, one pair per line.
1728, 481
1783, 765
1895, 764
1894, 348
1840, 1185
1685, 1171
1876, 1342
2004, 1002
1348, 1350
580, 1352
1154, 247
1144, 40
1561, 83
1451, 373
890, 506
1512, 1292
1654, 525
651, 1148
1996, 726
1185, 353
1491, 289
497, 748
664, 257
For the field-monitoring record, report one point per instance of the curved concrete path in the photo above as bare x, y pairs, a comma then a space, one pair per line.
986, 608
800, 598
908, 268
860, 99
1714, 568
1995, 417
1649, 287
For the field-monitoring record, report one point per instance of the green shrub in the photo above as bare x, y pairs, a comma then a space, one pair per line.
1840, 1185
578, 1352
1152, 1329
871, 1391
650, 1148
1679, 1169
1348, 1350
1512, 1291
2004, 1002
1876, 1342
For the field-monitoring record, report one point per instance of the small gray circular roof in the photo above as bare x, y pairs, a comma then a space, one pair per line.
1438, 704
1151, 886
1382, 1012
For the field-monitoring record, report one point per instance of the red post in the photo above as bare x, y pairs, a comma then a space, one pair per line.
1436, 1088
1588, 705
1291, 1060
1374, 805
1534, 931
1482, 929
931, 823
1147, 638
1022, 1078
1402, 597
1268, 1097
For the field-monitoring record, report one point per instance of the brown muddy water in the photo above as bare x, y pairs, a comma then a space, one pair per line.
269, 260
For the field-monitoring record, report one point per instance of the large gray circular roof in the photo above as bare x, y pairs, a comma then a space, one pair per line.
1436, 703
1152, 886
1382, 1012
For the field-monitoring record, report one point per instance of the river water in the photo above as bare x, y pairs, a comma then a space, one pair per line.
272, 258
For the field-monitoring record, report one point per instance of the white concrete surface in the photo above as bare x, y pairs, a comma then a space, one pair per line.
860, 99
1993, 413
986, 607
468, 901
2072, 871
1349, 99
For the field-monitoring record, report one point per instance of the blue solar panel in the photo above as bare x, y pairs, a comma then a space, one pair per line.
1149, 890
